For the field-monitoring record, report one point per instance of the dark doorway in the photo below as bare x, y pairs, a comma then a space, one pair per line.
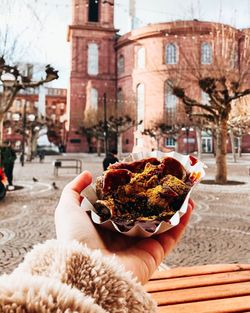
93, 10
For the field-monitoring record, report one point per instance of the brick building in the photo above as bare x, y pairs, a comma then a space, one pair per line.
31, 104
134, 70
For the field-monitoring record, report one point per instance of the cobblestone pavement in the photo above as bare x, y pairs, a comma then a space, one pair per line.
219, 231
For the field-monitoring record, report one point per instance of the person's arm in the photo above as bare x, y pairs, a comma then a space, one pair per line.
66, 273
100, 277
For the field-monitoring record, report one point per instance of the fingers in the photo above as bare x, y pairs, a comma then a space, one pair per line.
169, 239
80, 182
71, 193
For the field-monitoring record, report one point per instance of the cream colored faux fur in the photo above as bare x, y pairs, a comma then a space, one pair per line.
69, 275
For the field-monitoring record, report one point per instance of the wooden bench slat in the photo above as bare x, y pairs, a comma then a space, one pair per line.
202, 293
198, 281
238, 304
199, 270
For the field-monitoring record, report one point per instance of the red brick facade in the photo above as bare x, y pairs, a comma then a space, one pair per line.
122, 54
82, 33
55, 109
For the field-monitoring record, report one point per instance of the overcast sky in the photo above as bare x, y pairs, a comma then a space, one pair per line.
42, 24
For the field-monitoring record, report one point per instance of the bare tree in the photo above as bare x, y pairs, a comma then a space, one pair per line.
223, 77
17, 35
13, 81
32, 129
159, 131
239, 123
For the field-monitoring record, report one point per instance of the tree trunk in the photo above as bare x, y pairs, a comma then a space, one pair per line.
233, 145
176, 148
239, 146
199, 145
158, 143
221, 153
29, 149
34, 144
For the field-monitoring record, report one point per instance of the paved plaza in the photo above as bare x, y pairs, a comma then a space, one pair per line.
219, 231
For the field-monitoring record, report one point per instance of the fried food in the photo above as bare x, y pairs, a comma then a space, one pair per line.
142, 191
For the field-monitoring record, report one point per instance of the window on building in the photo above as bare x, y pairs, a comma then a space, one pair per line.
93, 59
120, 64
9, 115
93, 10
140, 103
170, 98
170, 103
170, 142
171, 54
17, 104
140, 58
234, 58
15, 117
94, 98
206, 53
205, 98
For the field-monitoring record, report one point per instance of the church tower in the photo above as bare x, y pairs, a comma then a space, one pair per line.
93, 65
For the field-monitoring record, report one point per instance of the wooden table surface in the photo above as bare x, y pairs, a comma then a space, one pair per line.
209, 288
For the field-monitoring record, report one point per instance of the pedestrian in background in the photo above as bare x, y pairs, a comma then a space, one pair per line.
111, 158
41, 155
8, 157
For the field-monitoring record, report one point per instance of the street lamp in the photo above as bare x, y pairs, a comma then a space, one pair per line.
187, 130
8, 79
24, 124
105, 124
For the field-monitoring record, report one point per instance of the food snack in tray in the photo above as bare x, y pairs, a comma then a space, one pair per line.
149, 190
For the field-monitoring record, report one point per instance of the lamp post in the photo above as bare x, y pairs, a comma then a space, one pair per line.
187, 130
24, 123
105, 124
187, 137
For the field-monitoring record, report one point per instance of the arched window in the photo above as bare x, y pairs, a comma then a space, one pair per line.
170, 98
234, 57
93, 59
120, 64
206, 53
171, 54
94, 98
170, 102
93, 6
140, 58
140, 103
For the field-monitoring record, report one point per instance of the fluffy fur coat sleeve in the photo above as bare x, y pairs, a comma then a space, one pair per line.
69, 277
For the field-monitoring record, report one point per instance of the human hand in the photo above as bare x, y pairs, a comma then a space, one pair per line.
138, 255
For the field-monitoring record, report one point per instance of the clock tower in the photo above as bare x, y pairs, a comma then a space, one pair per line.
93, 64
